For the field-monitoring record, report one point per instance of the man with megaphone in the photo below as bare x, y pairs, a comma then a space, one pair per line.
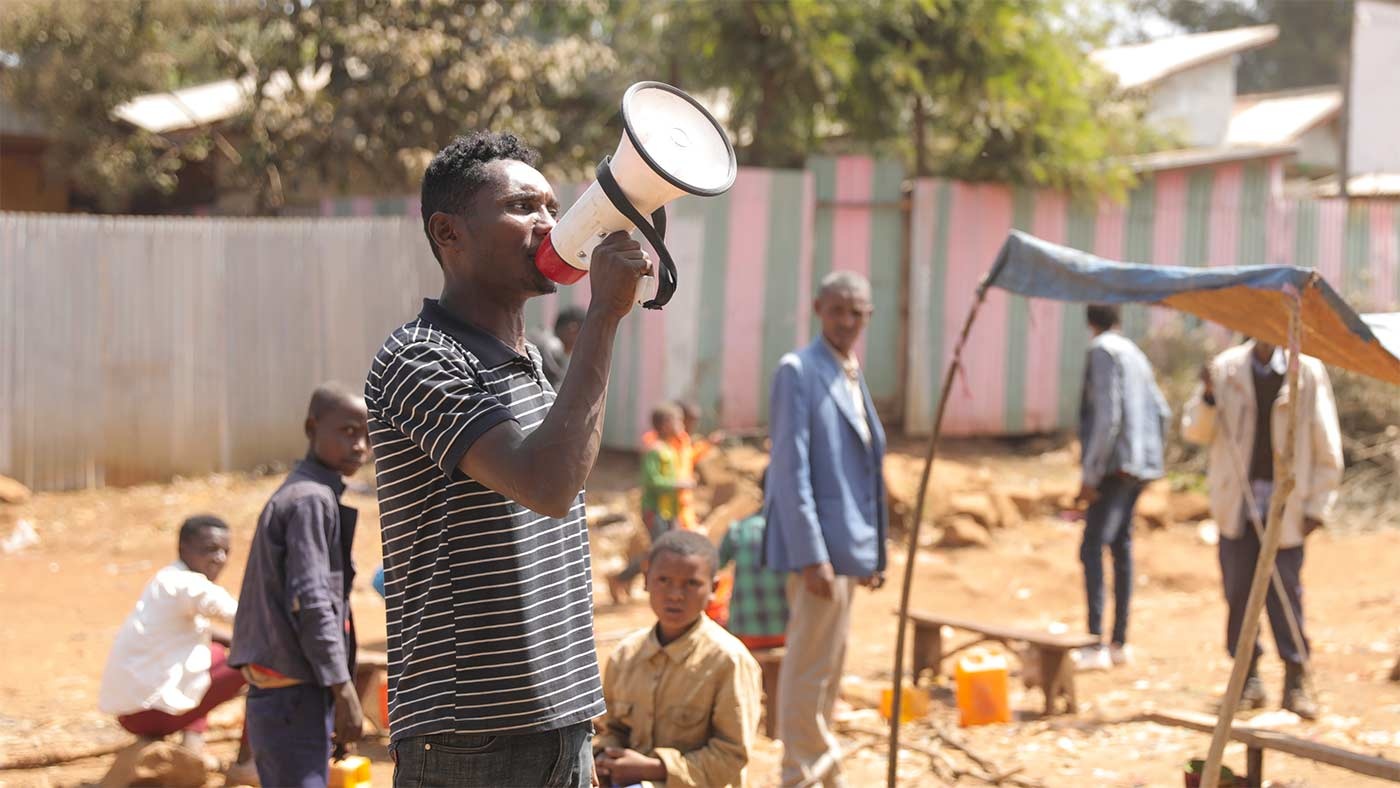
493, 674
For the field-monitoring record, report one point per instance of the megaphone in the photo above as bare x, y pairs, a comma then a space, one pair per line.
671, 146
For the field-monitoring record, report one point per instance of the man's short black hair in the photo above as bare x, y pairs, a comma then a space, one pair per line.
459, 169
685, 544
191, 527
1102, 316
569, 315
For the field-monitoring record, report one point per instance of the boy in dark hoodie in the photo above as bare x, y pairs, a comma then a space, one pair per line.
293, 637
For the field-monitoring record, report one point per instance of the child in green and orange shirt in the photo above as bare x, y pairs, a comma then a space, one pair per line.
662, 481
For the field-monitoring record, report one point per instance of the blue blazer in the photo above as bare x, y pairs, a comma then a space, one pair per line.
825, 497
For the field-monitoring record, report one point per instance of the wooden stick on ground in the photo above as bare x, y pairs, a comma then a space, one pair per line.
947, 769
44, 757
1268, 554
948, 739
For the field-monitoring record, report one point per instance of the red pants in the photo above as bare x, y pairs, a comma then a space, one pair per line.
224, 685
761, 642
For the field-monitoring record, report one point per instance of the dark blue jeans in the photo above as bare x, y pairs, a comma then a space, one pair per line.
1109, 521
560, 758
289, 729
1237, 560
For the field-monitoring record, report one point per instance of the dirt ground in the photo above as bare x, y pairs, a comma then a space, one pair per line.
62, 600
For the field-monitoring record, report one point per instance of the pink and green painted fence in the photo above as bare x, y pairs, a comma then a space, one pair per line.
749, 261
1024, 365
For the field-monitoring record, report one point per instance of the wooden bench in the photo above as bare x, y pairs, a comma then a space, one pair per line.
1257, 740
1055, 669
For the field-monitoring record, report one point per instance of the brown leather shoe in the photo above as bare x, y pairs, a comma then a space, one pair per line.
1253, 695
1297, 691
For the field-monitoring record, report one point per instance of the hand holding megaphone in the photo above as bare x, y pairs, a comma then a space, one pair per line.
671, 146
621, 268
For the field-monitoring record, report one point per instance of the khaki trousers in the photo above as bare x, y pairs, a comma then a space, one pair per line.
810, 681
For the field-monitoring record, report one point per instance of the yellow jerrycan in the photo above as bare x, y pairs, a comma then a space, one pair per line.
983, 694
351, 772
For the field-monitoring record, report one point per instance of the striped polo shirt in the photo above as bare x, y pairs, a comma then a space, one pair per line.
490, 605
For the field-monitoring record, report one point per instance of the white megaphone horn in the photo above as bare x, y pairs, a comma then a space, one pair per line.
672, 146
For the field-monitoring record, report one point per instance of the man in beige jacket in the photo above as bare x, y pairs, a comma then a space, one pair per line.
1242, 412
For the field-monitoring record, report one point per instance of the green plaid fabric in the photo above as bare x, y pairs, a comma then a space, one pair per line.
758, 605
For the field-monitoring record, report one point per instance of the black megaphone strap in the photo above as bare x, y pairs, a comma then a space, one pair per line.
654, 231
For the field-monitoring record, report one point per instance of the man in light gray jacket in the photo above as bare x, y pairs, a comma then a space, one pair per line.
1122, 427
1241, 412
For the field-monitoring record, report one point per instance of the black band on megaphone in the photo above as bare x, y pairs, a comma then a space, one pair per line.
654, 231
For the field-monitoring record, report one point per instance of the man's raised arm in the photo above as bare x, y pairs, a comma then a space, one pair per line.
545, 470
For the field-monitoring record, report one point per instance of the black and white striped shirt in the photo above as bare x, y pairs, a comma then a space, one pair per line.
490, 605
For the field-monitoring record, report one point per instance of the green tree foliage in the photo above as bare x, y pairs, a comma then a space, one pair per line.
384, 83
991, 91
354, 95
1314, 37
74, 61
773, 68
985, 90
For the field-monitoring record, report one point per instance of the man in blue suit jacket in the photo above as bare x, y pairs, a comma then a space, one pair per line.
826, 514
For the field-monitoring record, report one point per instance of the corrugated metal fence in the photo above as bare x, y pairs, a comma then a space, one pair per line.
134, 349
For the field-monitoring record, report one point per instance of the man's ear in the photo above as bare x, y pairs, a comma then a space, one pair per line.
445, 230
310, 427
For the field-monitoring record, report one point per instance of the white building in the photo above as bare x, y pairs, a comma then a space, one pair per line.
1188, 81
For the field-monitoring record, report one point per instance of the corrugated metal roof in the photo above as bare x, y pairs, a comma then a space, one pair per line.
186, 108
1374, 184
1201, 157
1141, 65
1281, 118
202, 105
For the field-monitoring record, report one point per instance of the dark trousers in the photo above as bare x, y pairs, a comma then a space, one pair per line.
560, 758
1237, 559
1109, 521
289, 729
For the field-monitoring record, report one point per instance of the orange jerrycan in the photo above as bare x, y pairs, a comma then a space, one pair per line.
983, 694
913, 703
351, 772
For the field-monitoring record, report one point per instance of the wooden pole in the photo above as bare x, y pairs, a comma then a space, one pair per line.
912, 552
1268, 554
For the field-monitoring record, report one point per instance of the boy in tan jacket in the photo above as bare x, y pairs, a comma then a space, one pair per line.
683, 695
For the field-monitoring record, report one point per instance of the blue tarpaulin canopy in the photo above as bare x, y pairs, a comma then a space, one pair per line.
1253, 300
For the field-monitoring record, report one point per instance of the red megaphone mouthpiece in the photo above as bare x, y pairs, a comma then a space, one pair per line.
548, 261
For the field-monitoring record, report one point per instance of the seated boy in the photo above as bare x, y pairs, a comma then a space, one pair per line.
758, 608
662, 481
168, 668
294, 638
683, 696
